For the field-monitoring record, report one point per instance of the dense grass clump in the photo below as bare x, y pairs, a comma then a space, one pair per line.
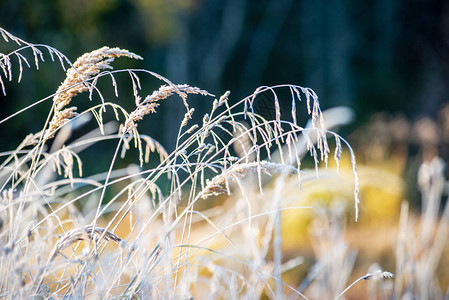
203, 221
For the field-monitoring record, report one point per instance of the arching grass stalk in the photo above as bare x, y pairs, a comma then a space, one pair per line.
378, 275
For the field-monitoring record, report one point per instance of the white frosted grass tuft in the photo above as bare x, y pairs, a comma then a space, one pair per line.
145, 229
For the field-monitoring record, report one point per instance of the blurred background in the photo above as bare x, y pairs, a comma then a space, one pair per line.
388, 60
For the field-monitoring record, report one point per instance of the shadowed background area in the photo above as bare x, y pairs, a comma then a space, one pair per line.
384, 55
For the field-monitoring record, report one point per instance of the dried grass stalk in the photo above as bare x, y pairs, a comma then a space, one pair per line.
219, 184
149, 104
86, 66
86, 233
378, 275
70, 237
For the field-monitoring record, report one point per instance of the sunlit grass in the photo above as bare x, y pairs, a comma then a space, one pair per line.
225, 215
